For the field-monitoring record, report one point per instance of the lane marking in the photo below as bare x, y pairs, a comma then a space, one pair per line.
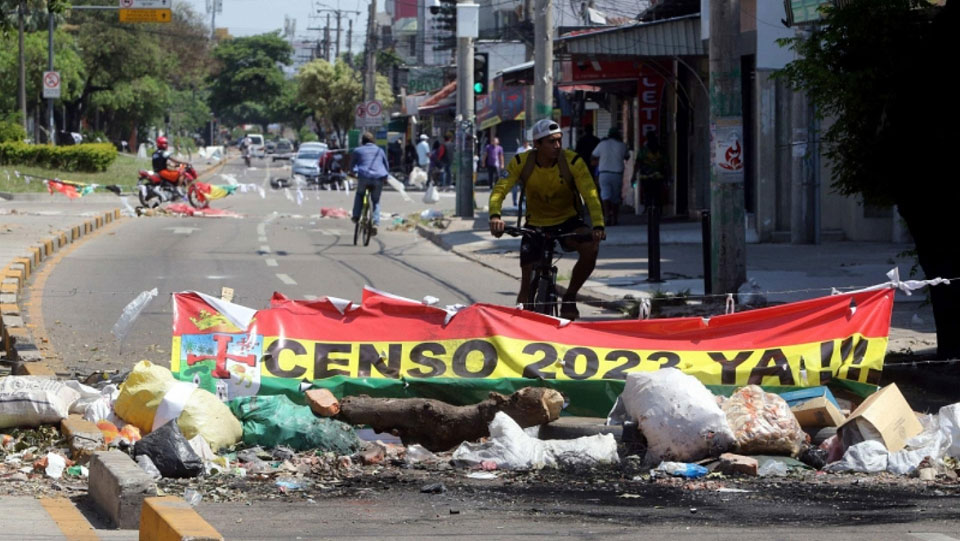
286, 279
265, 248
310, 297
271, 262
262, 228
182, 230
933, 537
262, 238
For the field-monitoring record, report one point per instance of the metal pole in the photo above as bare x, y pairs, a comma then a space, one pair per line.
726, 128
50, 124
213, 19
463, 157
653, 240
528, 90
705, 245
543, 62
21, 8
326, 39
337, 48
370, 87
349, 42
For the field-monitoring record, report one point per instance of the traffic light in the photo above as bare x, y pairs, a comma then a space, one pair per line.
480, 73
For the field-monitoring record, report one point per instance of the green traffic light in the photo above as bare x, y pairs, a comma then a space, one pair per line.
478, 88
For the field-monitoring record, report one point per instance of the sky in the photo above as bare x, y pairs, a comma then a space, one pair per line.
249, 17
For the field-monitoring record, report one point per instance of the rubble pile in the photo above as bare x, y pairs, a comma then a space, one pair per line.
675, 433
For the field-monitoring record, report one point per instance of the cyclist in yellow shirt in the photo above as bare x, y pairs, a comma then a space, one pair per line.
552, 190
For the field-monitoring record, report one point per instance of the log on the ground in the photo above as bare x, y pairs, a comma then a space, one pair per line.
439, 426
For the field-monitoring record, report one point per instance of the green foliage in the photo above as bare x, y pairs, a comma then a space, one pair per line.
307, 135
332, 92
249, 81
11, 131
90, 157
861, 70
67, 59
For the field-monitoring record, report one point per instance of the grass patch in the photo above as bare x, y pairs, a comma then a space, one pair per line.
123, 172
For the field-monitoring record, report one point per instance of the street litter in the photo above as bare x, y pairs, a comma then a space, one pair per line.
512, 449
150, 396
482, 475
170, 452
678, 416
680, 469
772, 467
885, 416
33, 401
275, 420
334, 212
131, 312
762, 423
431, 214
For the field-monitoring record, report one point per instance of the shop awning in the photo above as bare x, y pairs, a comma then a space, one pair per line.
667, 38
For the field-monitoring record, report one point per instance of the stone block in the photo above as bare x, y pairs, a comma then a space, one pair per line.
83, 437
8, 298
9, 310
118, 488
731, 463
322, 402
170, 518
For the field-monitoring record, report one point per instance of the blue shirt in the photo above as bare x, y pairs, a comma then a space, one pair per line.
369, 161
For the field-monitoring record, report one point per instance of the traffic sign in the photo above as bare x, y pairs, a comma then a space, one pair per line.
145, 4
51, 84
138, 15
374, 108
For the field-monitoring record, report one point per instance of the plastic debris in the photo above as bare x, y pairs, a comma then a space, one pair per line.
147, 465
131, 312
417, 453
681, 469
762, 423
274, 420
482, 475
431, 214
192, 497
170, 452
55, 465
772, 468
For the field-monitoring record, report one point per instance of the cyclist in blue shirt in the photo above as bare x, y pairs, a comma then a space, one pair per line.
369, 164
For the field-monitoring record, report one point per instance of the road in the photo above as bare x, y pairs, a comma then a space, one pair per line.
276, 246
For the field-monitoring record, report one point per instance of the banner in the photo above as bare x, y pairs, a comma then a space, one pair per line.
391, 346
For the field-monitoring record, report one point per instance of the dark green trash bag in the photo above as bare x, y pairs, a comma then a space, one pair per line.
273, 420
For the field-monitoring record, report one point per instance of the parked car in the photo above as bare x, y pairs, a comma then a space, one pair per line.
283, 150
257, 147
270, 147
307, 161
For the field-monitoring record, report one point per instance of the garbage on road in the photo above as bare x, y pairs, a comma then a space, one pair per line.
680, 469
762, 423
275, 420
170, 452
33, 401
510, 448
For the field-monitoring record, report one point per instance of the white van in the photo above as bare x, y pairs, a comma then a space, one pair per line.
257, 147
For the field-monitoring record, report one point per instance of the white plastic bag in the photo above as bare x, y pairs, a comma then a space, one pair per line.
33, 401
678, 416
418, 177
431, 196
512, 449
867, 456
762, 423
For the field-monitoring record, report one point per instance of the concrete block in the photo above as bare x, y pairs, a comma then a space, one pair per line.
49, 247
732, 463
12, 336
12, 321
118, 487
10, 285
27, 351
24, 262
37, 255
83, 437
170, 518
8, 298
75, 233
9, 309
322, 402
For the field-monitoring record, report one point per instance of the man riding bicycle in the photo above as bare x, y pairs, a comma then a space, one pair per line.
553, 183
164, 164
369, 164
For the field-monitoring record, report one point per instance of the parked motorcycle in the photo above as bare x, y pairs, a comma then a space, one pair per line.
154, 189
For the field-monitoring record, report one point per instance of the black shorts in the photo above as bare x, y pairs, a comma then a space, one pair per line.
532, 248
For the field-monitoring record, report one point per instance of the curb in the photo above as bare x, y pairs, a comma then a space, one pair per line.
18, 344
171, 518
435, 237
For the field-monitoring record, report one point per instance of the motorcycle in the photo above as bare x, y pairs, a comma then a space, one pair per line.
246, 158
331, 171
154, 189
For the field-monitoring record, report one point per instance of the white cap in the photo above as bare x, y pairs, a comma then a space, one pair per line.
424, 137
545, 127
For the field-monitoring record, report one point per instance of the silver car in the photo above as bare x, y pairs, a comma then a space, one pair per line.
307, 163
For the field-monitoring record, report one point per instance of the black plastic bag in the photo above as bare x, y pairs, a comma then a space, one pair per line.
170, 452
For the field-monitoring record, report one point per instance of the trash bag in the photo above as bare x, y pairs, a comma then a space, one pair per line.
273, 420
151, 388
762, 423
678, 416
432, 195
512, 449
170, 452
33, 401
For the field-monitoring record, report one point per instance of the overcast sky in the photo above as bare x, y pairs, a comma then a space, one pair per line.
249, 17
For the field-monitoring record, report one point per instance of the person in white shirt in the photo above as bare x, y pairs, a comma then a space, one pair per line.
609, 158
423, 152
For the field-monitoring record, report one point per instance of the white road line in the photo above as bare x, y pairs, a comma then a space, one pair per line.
262, 238
265, 249
262, 228
271, 262
310, 297
933, 537
286, 279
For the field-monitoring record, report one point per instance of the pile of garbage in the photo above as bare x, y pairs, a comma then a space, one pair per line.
690, 433
178, 432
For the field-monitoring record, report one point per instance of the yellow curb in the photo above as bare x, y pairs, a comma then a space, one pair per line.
34, 368
99, 221
48, 244
9, 309
75, 232
170, 518
9, 333
63, 239
9, 288
27, 265
70, 521
37, 255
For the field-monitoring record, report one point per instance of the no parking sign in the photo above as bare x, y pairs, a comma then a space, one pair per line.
51, 84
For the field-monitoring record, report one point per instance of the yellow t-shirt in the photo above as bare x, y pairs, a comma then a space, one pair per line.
549, 200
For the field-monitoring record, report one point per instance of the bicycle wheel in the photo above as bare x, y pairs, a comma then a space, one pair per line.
543, 295
356, 232
367, 219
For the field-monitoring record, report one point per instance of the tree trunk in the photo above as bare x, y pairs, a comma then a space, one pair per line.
439, 426
929, 220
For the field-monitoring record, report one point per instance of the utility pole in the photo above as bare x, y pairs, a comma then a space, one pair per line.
543, 62
215, 6
728, 251
21, 9
349, 43
52, 136
528, 114
370, 84
326, 39
339, 14
467, 30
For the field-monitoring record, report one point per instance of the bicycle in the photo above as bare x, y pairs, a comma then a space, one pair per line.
364, 226
543, 284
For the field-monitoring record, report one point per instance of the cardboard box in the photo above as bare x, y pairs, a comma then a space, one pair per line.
817, 413
884, 415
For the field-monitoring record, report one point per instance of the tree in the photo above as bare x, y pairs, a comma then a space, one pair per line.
332, 92
876, 70
249, 79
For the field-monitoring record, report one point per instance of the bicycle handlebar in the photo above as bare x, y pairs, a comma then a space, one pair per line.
515, 231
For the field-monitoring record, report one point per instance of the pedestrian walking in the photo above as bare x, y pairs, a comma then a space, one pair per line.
493, 160
609, 157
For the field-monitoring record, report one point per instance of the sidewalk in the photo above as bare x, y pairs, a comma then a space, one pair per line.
782, 272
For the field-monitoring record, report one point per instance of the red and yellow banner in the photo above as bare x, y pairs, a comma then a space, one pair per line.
390, 343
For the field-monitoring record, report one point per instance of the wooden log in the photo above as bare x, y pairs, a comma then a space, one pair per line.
439, 426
